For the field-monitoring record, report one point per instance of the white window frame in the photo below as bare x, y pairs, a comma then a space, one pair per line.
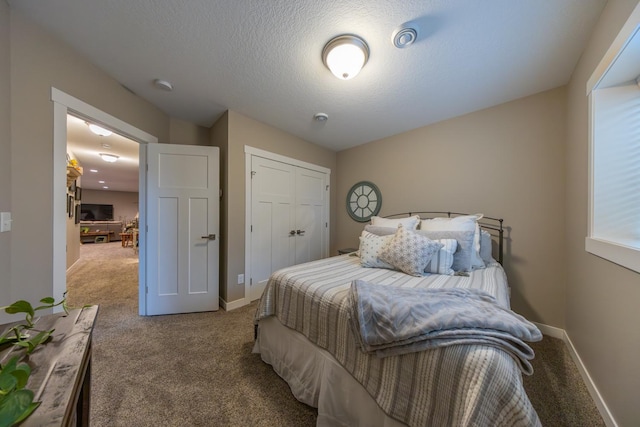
626, 256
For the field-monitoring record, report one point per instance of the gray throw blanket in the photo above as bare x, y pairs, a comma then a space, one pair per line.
391, 321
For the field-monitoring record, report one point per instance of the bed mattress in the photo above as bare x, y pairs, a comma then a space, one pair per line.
304, 334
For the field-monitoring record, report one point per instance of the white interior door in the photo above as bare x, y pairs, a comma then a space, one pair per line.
273, 220
182, 241
311, 193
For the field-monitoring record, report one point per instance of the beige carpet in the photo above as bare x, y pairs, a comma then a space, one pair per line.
198, 370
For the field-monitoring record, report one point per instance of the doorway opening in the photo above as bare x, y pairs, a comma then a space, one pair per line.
64, 104
102, 216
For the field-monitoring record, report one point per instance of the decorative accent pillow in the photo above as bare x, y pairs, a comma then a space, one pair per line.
370, 248
462, 257
459, 223
380, 231
410, 223
442, 260
486, 249
409, 251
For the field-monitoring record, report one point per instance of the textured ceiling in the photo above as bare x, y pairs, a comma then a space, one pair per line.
262, 58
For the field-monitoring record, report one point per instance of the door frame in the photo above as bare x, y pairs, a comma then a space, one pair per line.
249, 152
64, 103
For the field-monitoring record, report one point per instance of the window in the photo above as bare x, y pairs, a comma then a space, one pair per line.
614, 169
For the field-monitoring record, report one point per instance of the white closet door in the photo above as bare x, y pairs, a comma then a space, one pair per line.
273, 219
311, 193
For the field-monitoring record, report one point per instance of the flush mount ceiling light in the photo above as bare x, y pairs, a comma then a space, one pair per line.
321, 117
98, 130
345, 56
111, 158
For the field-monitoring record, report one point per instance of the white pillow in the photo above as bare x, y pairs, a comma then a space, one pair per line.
442, 260
409, 251
459, 223
410, 223
370, 247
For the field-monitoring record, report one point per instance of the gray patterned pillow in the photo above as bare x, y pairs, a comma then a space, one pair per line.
409, 252
462, 256
370, 248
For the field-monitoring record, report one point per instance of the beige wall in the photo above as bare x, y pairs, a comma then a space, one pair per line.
183, 132
73, 237
245, 131
602, 315
506, 162
5, 157
125, 203
219, 136
38, 62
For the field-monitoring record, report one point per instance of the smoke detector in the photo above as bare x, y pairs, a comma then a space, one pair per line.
404, 36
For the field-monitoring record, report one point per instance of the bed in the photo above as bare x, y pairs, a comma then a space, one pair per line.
307, 329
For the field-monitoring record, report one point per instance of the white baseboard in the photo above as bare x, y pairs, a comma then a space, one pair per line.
551, 331
554, 332
72, 266
232, 305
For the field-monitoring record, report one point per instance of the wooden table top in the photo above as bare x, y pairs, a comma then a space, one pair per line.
59, 366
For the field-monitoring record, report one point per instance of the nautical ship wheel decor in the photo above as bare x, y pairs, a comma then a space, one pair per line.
363, 201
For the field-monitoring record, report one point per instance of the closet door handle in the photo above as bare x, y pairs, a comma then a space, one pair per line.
292, 233
210, 237
300, 232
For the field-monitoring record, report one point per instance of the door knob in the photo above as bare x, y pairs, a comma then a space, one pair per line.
292, 233
210, 237
299, 232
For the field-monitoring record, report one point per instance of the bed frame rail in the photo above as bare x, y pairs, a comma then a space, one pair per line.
493, 225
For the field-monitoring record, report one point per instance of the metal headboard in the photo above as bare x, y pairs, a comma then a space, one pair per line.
492, 225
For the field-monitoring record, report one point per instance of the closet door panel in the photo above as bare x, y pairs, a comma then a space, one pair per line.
273, 218
311, 194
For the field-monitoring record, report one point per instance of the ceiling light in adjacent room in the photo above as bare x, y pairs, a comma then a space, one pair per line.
99, 130
111, 158
345, 56
163, 84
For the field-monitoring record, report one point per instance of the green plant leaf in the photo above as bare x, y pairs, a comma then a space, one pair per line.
26, 344
20, 306
15, 407
32, 407
37, 340
8, 381
21, 374
49, 303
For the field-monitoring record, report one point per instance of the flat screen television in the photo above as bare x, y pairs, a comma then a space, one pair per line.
96, 212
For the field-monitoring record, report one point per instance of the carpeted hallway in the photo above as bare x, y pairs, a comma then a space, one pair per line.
198, 369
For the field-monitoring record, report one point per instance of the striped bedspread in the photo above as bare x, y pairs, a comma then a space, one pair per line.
461, 385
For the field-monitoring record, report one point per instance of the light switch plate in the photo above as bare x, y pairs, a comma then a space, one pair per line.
5, 221
240, 279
